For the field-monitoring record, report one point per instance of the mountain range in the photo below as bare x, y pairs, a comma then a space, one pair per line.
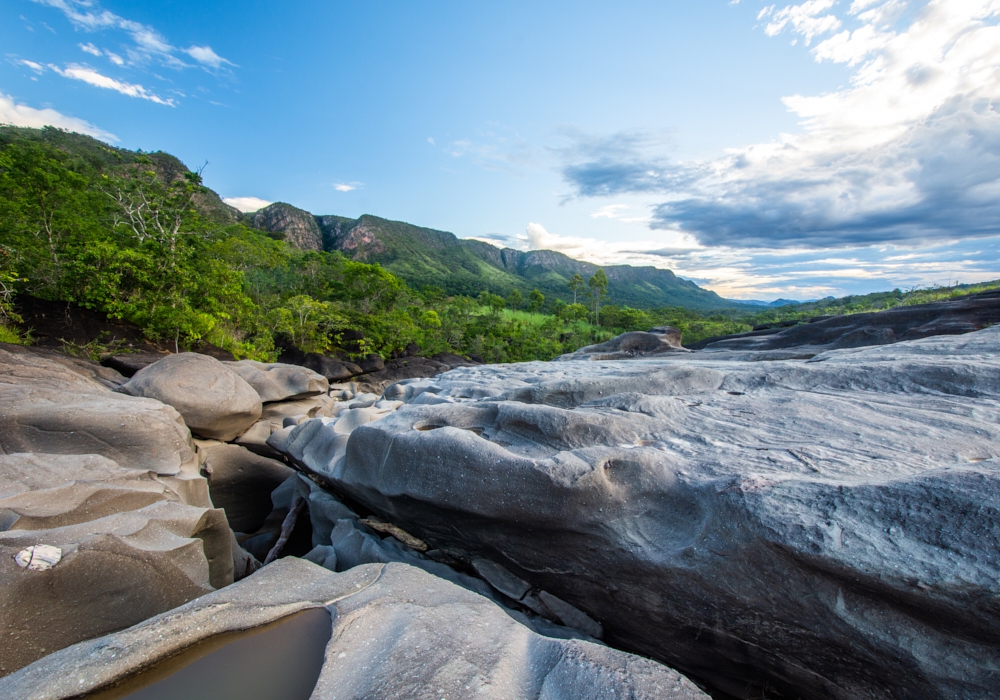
427, 257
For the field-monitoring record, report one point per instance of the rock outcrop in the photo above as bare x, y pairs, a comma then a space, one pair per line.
124, 544
214, 400
902, 323
299, 227
826, 529
394, 632
280, 382
633, 344
104, 517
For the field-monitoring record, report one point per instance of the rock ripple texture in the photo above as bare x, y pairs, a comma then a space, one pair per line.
829, 529
214, 400
397, 633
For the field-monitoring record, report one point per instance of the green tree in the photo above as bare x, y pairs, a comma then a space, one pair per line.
535, 300
576, 285
515, 300
598, 286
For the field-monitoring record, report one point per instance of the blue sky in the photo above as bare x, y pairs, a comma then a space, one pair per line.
763, 150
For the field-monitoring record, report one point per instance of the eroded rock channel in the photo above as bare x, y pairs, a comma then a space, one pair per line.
768, 527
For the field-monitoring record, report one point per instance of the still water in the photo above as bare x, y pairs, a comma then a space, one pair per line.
279, 661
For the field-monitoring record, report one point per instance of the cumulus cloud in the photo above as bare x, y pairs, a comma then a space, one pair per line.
91, 49
21, 115
908, 153
92, 77
246, 204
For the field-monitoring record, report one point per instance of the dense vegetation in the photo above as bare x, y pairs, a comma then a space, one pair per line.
139, 237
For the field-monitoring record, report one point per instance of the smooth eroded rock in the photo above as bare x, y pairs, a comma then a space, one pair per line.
214, 401
826, 529
397, 633
280, 382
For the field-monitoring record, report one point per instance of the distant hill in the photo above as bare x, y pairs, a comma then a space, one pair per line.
774, 304
427, 257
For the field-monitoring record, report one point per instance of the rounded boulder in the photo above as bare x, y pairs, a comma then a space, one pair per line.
214, 401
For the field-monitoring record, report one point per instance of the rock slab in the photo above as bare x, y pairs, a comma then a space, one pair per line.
826, 529
397, 632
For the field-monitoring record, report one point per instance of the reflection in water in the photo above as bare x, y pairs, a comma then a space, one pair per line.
280, 661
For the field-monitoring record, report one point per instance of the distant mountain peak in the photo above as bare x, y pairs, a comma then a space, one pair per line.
424, 256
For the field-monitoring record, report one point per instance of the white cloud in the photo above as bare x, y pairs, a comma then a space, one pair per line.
37, 67
246, 204
115, 58
21, 115
609, 211
430, 140
147, 43
206, 56
91, 49
806, 19
906, 153
92, 77
345, 187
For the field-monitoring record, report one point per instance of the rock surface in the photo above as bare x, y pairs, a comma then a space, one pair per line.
50, 407
280, 382
397, 632
240, 482
633, 344
215, 401
827, 529
902, 323
129, 546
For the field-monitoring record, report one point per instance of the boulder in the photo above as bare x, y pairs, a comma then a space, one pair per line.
901, 323
823, 529
633, 344
280, 382
240, 482
46, 407
392, 632
215, 401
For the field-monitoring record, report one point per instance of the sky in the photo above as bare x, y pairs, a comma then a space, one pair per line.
797, 151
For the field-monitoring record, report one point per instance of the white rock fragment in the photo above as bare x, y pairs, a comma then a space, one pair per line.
40, 557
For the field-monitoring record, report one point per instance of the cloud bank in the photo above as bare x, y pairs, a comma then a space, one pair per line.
907, 154
21, 115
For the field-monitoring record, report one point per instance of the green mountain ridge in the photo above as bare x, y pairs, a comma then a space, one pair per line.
424, 256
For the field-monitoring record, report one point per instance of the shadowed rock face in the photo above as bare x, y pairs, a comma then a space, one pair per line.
397, 633
633, 344
826, 528
861, 330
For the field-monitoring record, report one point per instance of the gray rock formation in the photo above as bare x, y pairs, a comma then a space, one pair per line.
633, 344
298, 226
902, 323
397, 632
240, 482
50, 407
280, 382
827, 529
127, 544
215, 401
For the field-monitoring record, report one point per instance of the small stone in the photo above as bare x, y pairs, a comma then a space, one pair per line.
40, 557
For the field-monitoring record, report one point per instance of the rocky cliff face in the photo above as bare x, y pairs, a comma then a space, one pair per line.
299, 226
